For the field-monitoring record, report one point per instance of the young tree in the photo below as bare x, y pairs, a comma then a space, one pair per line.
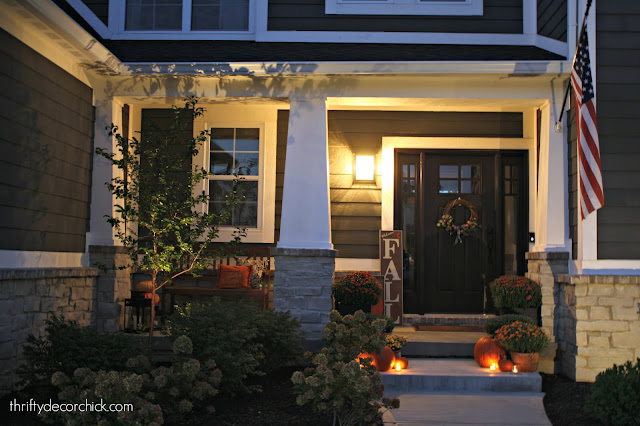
160, 216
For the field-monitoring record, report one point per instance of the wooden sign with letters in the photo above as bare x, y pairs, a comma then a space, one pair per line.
391, 271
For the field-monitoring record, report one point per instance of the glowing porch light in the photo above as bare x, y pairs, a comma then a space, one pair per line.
365, 168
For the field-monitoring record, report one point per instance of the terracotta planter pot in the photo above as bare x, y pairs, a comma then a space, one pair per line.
525, 363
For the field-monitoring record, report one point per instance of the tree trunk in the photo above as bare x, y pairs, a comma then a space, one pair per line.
154, 277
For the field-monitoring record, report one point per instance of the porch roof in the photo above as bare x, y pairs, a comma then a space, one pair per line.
250, 51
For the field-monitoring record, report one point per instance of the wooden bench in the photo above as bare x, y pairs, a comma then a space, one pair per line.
205, 285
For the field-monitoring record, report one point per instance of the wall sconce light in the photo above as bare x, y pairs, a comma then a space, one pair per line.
364, 168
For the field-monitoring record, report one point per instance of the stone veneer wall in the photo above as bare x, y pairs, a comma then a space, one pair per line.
28, 297
598, 323
303, 286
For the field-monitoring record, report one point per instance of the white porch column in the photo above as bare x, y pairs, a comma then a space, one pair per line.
551, 205
102, 201
304, 258
306, 207
113, 285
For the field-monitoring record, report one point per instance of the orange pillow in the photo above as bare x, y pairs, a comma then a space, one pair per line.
234, 276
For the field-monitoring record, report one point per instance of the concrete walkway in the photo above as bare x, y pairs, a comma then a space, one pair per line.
521, 408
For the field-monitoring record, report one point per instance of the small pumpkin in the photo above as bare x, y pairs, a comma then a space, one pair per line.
148, 296
403, 362
146, 286
488, 351
505, 365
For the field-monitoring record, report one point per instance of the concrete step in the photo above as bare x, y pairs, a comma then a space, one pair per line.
438, 408
445, 319
438, 344
457, 375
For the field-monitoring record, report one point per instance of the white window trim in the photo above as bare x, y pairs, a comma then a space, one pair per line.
403, 7
117, 19
223, 118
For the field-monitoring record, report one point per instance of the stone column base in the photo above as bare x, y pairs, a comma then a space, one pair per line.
113, 286
544, 268
303, 287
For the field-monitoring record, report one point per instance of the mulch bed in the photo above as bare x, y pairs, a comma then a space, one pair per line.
564, 401
275, 405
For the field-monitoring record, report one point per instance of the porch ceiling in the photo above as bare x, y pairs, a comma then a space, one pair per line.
433, 104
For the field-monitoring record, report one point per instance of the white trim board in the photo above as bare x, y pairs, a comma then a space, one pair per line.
387, 166
41, 259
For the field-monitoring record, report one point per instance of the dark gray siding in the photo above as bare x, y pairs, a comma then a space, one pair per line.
356, 209
500, 16
100, 8
46, 127
552, 19
618, 94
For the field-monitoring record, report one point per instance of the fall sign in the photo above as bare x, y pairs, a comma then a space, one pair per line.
391, 270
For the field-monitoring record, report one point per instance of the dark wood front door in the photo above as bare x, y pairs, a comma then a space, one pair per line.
443, 274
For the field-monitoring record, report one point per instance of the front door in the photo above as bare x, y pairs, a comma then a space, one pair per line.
447, 273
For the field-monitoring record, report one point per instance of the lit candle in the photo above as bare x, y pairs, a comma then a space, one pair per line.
515, 369
398, 366
493, 367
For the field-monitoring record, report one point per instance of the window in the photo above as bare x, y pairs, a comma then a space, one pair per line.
235, 151
404, 7
459, 179
187, 15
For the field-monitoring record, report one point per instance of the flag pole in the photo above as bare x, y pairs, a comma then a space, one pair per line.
575, 54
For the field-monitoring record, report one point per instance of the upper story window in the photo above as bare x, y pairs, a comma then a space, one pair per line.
187, 15
404, 7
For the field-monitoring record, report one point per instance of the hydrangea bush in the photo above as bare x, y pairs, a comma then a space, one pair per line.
336, 384
158, 394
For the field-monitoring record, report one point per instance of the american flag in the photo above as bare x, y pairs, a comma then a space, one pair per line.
592, 197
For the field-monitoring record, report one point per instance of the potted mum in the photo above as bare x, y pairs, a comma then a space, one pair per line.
513, 294
524, 342
395, 342
356, 291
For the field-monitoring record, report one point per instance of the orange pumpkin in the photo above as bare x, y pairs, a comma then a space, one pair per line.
146, 286
403, 362
381, 361
488, 351
505, 365
384, 360
148, 296
364, 355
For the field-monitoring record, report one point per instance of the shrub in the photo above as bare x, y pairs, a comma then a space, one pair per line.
243, 340
165, 393
337, 384
495, 323
280, 337
357, 289
513, 292
522, 337
389, 322
66, 346
615, 395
